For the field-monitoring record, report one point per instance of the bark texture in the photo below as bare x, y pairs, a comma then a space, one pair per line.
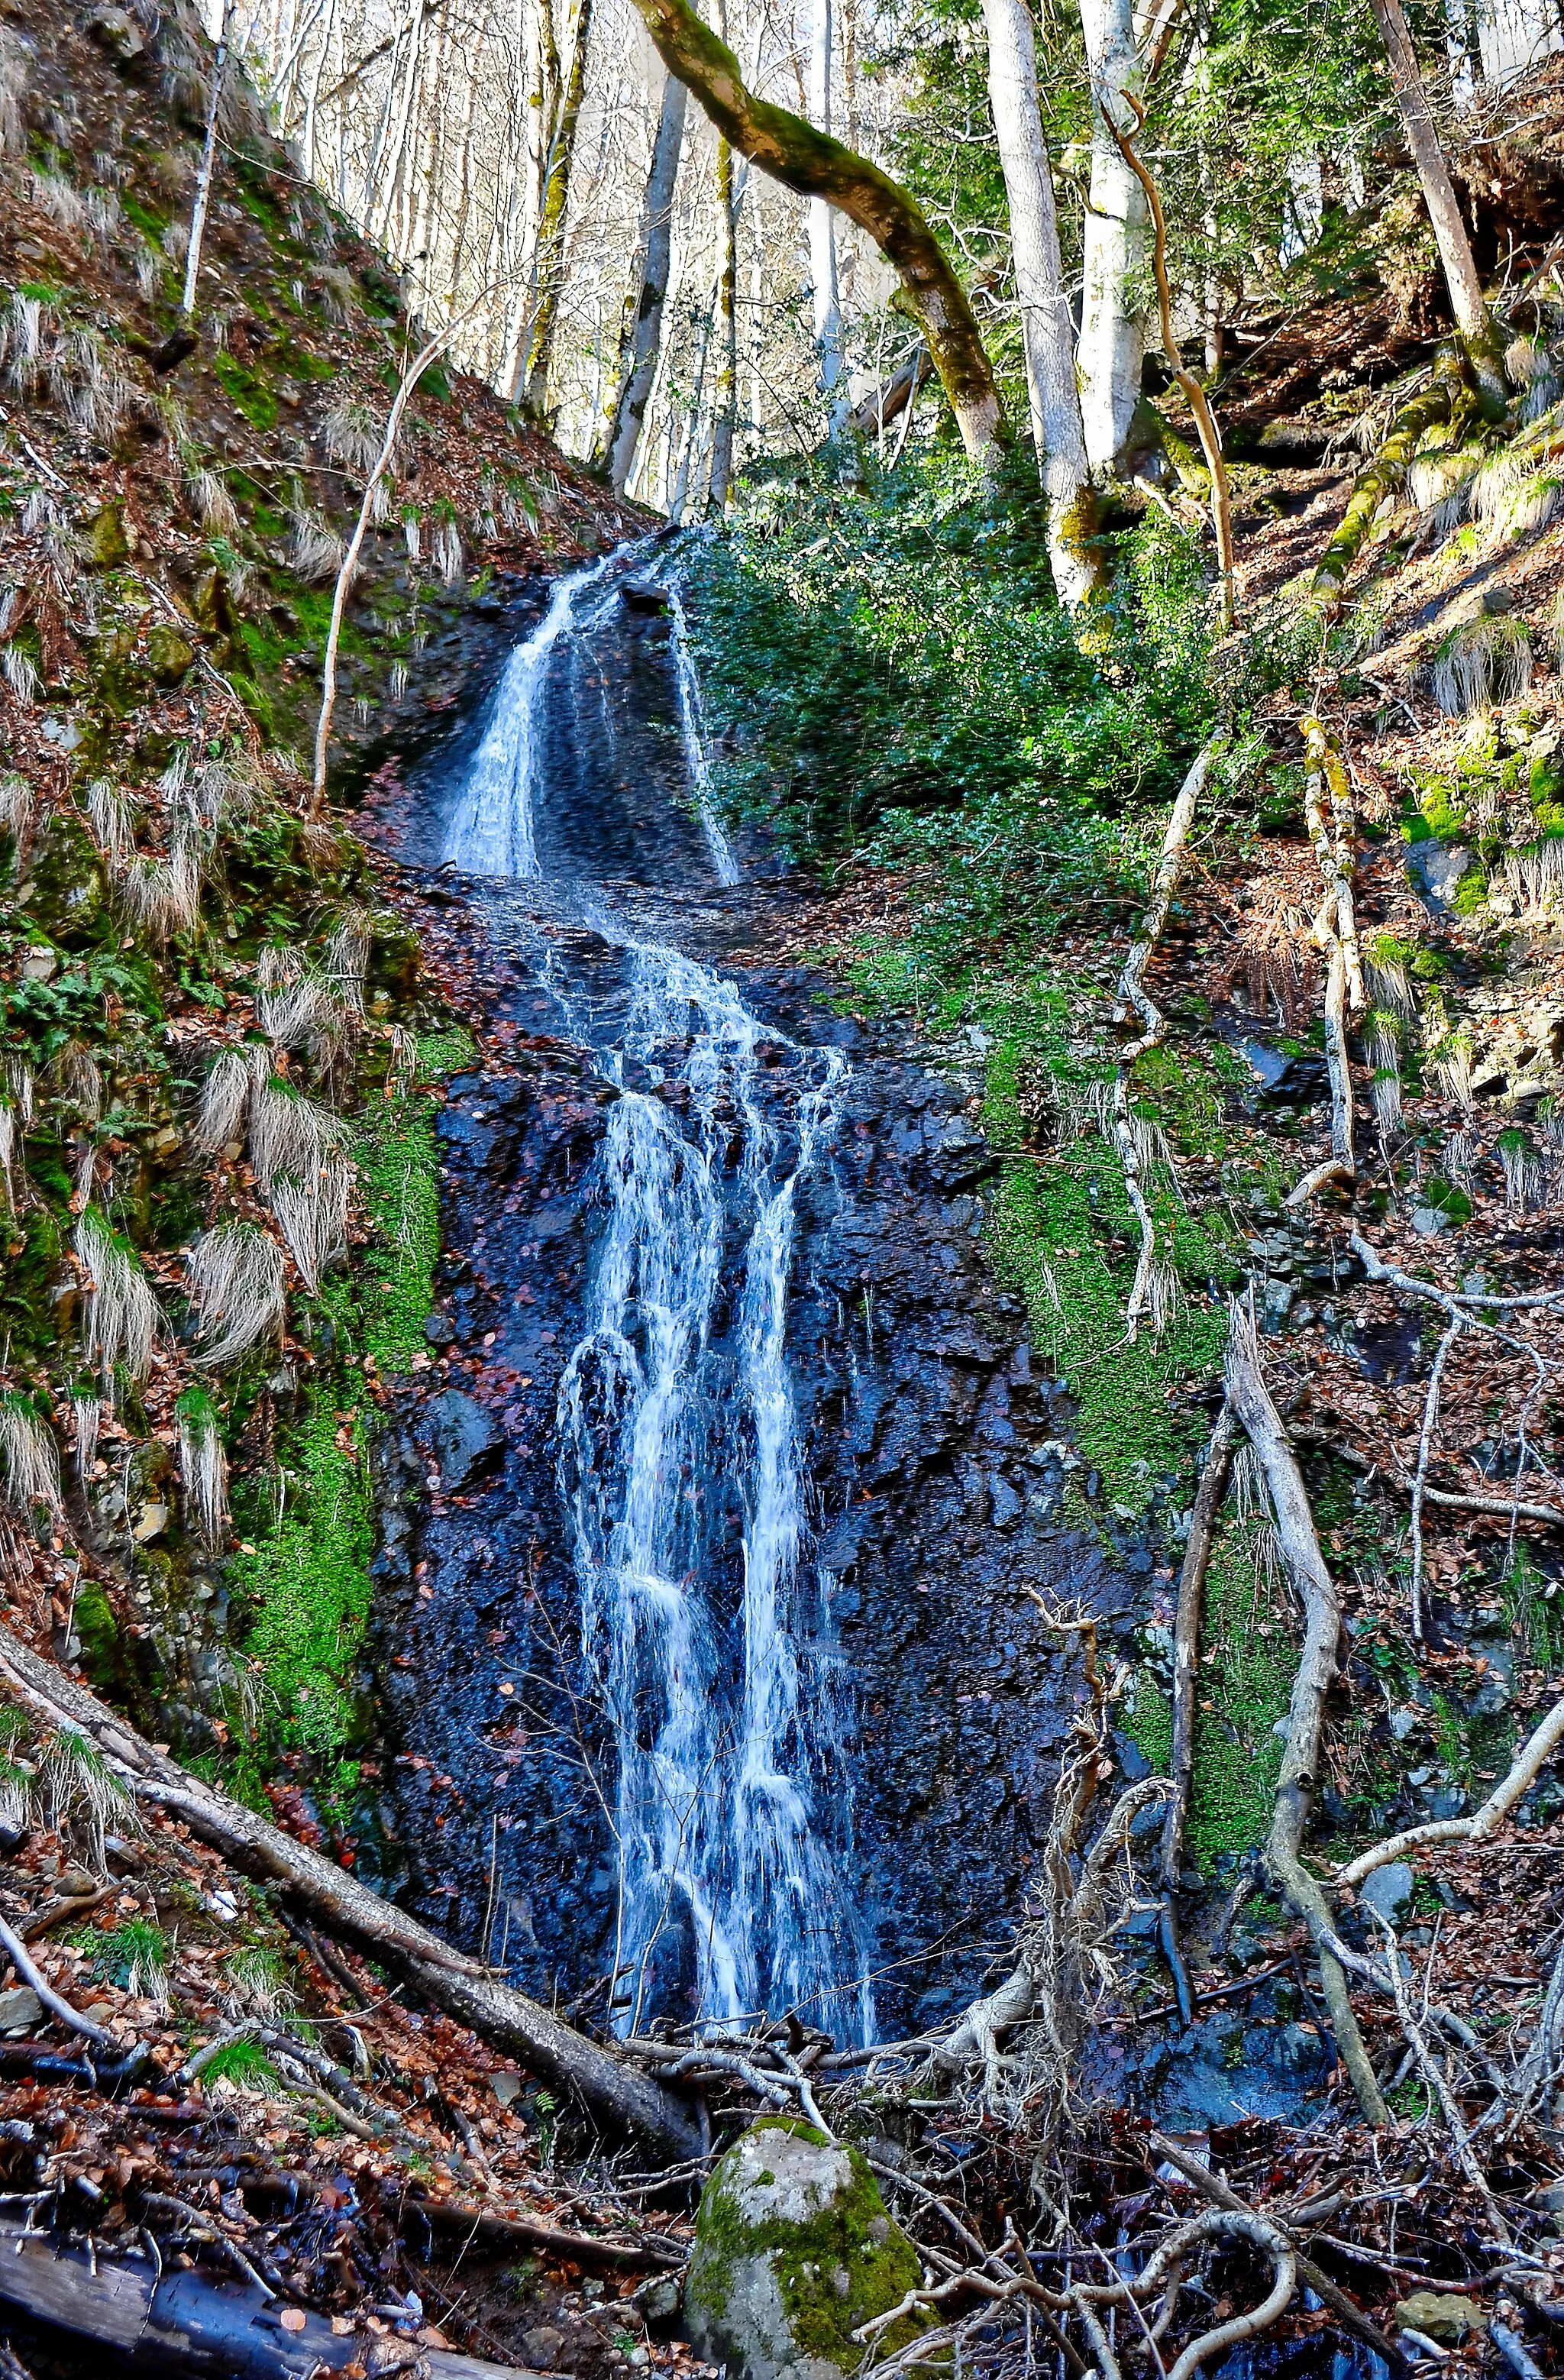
1048, 333
813, 164
551, 228
1112, 333
629, 412
1473, 319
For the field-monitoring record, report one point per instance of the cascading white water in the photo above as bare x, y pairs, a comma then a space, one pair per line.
491, 830
707, 1632
692, 722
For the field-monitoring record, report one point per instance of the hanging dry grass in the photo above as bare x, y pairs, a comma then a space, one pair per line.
220, 1112
234, 1276
78, 1080
114, 815
203, 1469
1481, 662
31, 1461
314, 548
122, 1316
162, 897
88, 1412
14, 63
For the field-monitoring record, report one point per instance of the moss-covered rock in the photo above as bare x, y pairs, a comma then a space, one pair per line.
169, 656
793, 2251
107, 543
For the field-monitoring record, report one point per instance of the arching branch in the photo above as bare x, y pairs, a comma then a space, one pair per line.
811, 163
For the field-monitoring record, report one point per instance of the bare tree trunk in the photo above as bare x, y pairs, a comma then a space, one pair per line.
550, 230
825, 296
1047, 334
811, 163
1112, 333
1474, 323
208, 165
726, 389
630, 407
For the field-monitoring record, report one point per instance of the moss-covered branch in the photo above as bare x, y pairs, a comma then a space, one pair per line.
811, 163
1443, 396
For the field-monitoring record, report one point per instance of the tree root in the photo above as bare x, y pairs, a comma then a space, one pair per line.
1133, 994
1316, 1670
1446, 395
1335, 932
1186, 1657
1530, 1760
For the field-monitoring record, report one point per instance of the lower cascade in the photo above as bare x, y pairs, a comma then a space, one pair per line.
713, 1653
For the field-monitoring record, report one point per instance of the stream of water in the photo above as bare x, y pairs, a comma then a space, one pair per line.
715, 1663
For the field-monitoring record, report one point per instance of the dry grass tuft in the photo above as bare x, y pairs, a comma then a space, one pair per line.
235, 1275
122, 1315
31, 1461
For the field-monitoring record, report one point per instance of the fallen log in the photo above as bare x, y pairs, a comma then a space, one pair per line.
613, 2090
183, 2327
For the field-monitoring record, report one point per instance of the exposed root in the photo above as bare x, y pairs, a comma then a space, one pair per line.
1336, 934
1150, 1295
1316, 1669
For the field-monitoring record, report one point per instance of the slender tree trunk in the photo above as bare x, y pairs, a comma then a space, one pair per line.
1473, 320
795, 153
725, 392
825, 295
208, 165
689, 445
550, 230
631, 407
1112, 333
1046, 331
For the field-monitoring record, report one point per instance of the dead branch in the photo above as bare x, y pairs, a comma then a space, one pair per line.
1211, 2186
1133, 994
28, 1971
1186, 1656
1317, 1672
1433, 2080
1194, 395
1420, 1483
1336, 934
1530, 1760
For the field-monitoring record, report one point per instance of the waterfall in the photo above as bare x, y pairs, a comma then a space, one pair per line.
709, 1646
692, 722
491, 830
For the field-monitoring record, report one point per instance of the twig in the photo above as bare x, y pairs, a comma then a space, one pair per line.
1530, 1759
1420, 1484
28, 1973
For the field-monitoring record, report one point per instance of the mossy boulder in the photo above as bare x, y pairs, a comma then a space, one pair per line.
107, 542
169, 655
793, 2251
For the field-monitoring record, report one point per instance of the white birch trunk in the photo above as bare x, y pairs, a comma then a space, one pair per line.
208, 165
1046, 331
827, 301
1112, 332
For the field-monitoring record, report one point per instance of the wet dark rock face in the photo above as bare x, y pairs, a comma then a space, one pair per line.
934, 1451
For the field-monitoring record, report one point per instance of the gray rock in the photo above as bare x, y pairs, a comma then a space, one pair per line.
462, 1436
793, 2250
1389, 1889
20, 2009
1434, 870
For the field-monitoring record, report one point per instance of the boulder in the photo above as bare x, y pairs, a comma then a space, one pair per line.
1443, 2317
793, 2250
462, 1438
1388, 1890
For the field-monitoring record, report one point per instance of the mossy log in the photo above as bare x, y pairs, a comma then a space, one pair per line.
1445, 397
811, 163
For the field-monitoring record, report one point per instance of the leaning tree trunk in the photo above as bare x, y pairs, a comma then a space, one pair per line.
618, 2093
550, 230
1473, 320
1112, 333
635, 391
814, 165
1046, 331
